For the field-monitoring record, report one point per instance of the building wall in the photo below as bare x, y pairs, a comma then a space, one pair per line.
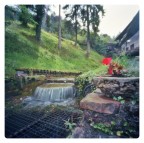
131, 44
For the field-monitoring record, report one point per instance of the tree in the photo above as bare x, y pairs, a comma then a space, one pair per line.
59, 32
100, 43
25, 15
67, 27
90, 17
73, 15
40, 10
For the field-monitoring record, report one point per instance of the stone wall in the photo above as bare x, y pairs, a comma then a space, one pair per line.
126, 87
115, 100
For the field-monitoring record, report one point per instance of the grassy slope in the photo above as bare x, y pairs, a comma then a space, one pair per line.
22, 50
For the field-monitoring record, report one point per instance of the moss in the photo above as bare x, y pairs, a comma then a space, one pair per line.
29, 89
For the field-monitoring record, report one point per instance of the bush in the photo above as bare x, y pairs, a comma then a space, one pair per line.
130, 64
83, 80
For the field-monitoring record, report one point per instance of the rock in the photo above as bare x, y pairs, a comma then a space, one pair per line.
118, 79
123, 89
115, 85
98, 91
131, 87
132, 110
99, 104
111, 86
78, 132
101, 85
107, 86
118, 93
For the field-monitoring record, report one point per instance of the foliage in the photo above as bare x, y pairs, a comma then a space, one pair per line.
11, 13
52, 23
106, 128
90, 15
120, 99
84, 79
115, 69
73, 15
133, 67
122, 60
113, 128
67, 28
119, 133
69, 124
25, 16
129, 64
100, 43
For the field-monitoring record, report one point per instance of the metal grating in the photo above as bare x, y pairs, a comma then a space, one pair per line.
28, 124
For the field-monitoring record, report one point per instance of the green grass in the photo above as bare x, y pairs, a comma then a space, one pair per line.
23, 51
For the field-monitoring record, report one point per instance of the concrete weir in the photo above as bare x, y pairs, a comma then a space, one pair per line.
60, 80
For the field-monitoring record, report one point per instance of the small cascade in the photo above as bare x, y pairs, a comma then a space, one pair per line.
52, 93
58, 93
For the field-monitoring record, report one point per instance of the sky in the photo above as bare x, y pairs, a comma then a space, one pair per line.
116, 18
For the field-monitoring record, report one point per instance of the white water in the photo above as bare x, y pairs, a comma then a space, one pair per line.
44, 96
54, 94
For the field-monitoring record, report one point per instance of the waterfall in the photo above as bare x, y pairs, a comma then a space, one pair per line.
51, 93
54, 94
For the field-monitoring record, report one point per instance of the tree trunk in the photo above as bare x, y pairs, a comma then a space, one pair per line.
39, 17
76, 28
88, 34
59, 33
76, 34
38, 31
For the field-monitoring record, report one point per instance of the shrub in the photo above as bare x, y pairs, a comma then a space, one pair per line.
130, 64
83, 80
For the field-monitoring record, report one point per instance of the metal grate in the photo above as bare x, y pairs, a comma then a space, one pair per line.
28, 124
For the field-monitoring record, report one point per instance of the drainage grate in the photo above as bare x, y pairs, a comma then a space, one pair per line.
28, 124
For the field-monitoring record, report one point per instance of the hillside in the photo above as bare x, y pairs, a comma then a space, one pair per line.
23, 51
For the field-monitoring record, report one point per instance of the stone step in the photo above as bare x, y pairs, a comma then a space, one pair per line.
99, 104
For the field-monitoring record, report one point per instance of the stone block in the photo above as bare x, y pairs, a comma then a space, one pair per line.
99, 104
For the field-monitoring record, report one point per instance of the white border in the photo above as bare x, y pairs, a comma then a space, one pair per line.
108, 2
